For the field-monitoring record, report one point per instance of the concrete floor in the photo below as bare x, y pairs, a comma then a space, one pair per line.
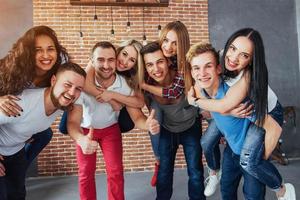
137, 186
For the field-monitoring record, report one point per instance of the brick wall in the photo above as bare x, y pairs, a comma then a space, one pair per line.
58, 158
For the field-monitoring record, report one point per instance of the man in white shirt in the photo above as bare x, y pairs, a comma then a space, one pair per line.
91, 122
41, 107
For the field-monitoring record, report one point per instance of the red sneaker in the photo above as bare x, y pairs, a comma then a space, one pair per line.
154, 177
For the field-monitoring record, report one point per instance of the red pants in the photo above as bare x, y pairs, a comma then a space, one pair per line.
110, 141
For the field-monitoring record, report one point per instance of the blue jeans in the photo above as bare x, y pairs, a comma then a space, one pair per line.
12, 185
252, 153
209, 143
63, 124
252, 159
231, 176
155, 138
40, 141
168, 146
277, 113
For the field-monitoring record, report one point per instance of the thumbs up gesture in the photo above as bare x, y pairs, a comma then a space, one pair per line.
87, 143
152, 124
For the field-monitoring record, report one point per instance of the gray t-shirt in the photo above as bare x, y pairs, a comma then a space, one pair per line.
15, 131
178, 117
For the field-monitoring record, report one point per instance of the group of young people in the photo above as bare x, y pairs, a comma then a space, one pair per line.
173, 80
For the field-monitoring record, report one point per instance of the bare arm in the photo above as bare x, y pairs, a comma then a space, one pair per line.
89, 86
73, 122
234, 96
86, 142
92, 89
137, 117
142, 122
172, 92
156, 90
115, 105
135, 101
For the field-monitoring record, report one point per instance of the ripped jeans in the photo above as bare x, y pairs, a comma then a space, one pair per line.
251, 159
253, 151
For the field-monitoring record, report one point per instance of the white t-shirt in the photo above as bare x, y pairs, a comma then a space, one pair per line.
15, 131
272, 98
101, 115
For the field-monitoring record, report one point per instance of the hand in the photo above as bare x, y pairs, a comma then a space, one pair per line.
205, 114
143, 85
2, 168
87, 144
191, 96
242, 111
152, 124
197, 86
104, 95
9, 107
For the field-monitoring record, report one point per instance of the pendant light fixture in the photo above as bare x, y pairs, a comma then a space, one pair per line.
159, 26
144, 35
112, 31
80, 30
95, 13
128, 28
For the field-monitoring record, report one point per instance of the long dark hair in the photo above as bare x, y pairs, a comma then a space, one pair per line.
17, 68
258, 86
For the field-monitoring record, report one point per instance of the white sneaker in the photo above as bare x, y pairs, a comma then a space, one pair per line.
212, 182
289, 192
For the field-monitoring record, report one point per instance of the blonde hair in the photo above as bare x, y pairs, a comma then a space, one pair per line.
131, 75
200, 48
183, 45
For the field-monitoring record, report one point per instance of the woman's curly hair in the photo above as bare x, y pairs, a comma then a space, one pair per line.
17, 68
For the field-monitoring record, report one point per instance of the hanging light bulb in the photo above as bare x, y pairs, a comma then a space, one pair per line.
128, 29
144, 36
159, 30
95, 13
112, 31
144, 39
112, 35
80, 31
159, 26
81, 39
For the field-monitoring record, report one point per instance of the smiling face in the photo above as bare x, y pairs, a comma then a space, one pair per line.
66, 88
169, 44
239, 54
127, 58
104, 61
156, 65
205, 71
45, 54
